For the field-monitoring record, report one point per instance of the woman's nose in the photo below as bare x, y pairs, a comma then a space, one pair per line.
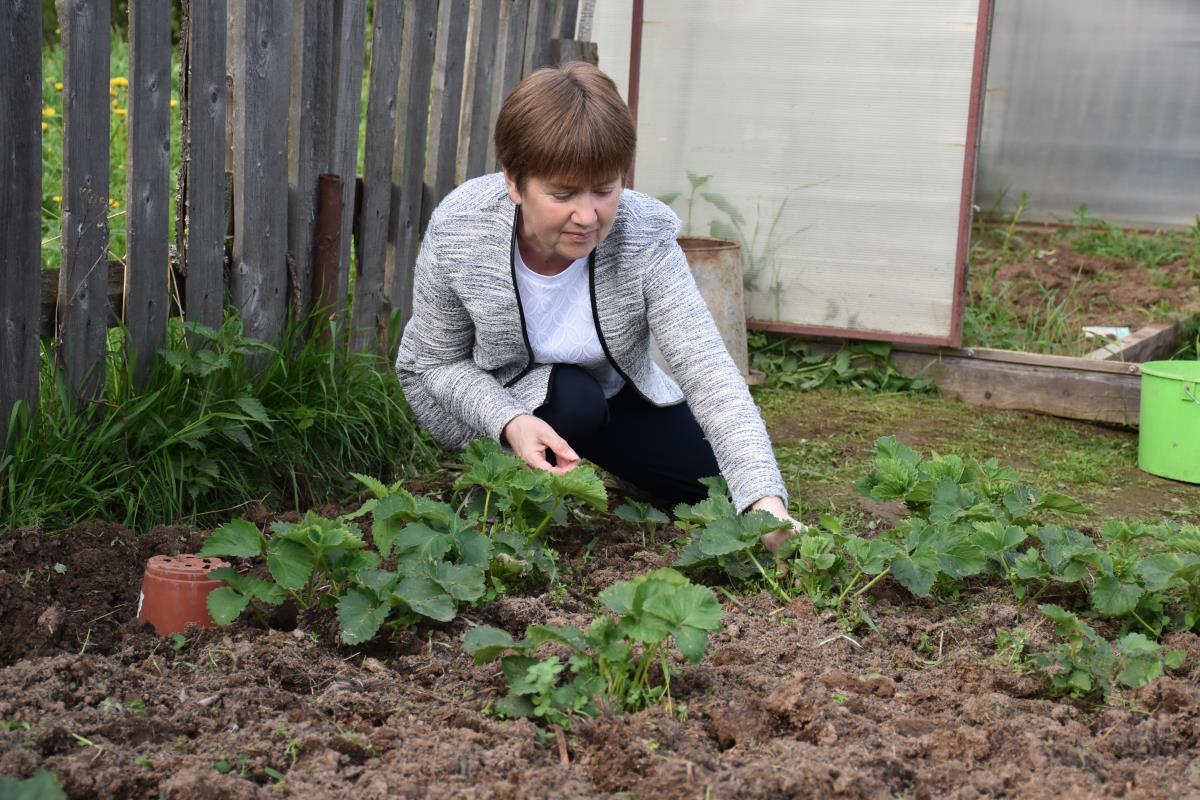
585, 210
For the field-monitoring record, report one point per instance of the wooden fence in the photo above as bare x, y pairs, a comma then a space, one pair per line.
271, 100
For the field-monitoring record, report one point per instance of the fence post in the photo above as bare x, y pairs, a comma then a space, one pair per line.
20, 206
205, 105
441, 163
408, 168
309, 118
147, 166
368, 325
350, 30
259, 274
83, 276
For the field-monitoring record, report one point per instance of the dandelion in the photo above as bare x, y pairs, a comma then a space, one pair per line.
174, 103
48, 112
58, 86
45, 127
57, 198
120, 112
112, 92
113, 203
120, 81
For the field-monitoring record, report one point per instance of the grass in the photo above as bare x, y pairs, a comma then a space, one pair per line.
226, 421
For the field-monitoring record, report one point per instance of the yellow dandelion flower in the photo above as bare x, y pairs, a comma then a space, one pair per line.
48, 112
113, 203
120, 81
120, 112
58, 86
57, 198
45, 127
112, 92
174, 103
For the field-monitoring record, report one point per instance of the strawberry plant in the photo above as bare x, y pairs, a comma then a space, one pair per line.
611, 663
643, 515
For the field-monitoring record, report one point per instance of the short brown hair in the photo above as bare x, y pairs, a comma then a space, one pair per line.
566, 123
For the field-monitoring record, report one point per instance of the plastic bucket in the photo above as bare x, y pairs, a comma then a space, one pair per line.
1169, 426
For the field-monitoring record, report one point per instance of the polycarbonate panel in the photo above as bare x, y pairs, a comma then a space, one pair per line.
1096, 102
835, 135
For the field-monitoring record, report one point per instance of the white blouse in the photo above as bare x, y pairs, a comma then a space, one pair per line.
558, 318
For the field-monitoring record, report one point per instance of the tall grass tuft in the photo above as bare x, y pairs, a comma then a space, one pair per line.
225, 420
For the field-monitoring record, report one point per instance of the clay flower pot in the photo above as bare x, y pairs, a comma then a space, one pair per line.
175, 592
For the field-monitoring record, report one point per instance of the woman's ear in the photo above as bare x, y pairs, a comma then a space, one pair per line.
514, 191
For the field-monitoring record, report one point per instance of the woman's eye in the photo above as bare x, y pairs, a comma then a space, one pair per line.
562, 198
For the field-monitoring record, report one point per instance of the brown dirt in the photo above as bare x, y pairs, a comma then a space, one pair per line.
782, 706
1097, 290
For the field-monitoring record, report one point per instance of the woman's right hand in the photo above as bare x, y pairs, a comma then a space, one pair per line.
530, 437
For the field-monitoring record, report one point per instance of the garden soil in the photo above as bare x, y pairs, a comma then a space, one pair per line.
784, 704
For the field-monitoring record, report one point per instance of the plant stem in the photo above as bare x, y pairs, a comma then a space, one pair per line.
849, 586
545, 521
487, 502
1149, 630
782, 595
871, 583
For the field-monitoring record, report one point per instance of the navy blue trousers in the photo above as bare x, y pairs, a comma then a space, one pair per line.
661, 451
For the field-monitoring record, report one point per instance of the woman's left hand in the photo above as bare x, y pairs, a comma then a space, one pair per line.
775, 507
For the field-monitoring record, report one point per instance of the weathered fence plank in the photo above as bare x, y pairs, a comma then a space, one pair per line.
20, 204
258, 280
479, 135
147, 167
350, 30
510, 60
448, 71
82, 302
408, 168
568, 15
309, 120
370, 311
537, 34
203, 224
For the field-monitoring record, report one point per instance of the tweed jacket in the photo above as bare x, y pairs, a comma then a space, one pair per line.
465, 362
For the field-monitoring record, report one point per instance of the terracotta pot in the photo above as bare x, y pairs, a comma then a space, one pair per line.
175, 592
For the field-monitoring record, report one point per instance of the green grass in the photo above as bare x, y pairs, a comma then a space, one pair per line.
226, 421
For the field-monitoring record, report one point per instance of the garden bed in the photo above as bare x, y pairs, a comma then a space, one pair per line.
785, 703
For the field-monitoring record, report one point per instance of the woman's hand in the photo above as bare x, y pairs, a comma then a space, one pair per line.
530, 437
775, 507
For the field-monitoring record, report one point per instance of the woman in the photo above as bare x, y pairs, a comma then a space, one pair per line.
536, 293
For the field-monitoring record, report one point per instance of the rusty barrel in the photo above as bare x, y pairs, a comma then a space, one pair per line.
717, 267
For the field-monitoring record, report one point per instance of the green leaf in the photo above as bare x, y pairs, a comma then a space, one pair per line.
359, 615
377, 487
254, 409
251, 586
43, 785
1113, 598
236, 539
473, 547
486, 643
538, 635
514, 707
1174, 659
725, 206
1159, 571
917, 572
1059, 502
668, 198
421, 542
619, 597
639, 513
290, 563
1140, 660
871, 555
425, 597
725, 536
378, 581
463, 582
583, 484
225, 605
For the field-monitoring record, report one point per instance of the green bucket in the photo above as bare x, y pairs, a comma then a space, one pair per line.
1169, 426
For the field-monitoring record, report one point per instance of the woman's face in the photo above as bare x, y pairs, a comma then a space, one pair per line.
561, 223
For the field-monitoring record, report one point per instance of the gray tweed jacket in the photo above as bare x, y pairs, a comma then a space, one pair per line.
465, 363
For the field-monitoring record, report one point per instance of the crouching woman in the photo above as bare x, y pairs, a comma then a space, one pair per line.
536, 293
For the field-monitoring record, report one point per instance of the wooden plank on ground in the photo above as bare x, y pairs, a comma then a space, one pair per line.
448, 71
408, 167
368, 325
309, 118
538, 32
1147, 344
258, 279
1062, 386
147, 167
20, 205
82, 303
204, 189
480, 135
350, 31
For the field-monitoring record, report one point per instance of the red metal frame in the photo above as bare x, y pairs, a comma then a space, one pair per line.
974, 126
